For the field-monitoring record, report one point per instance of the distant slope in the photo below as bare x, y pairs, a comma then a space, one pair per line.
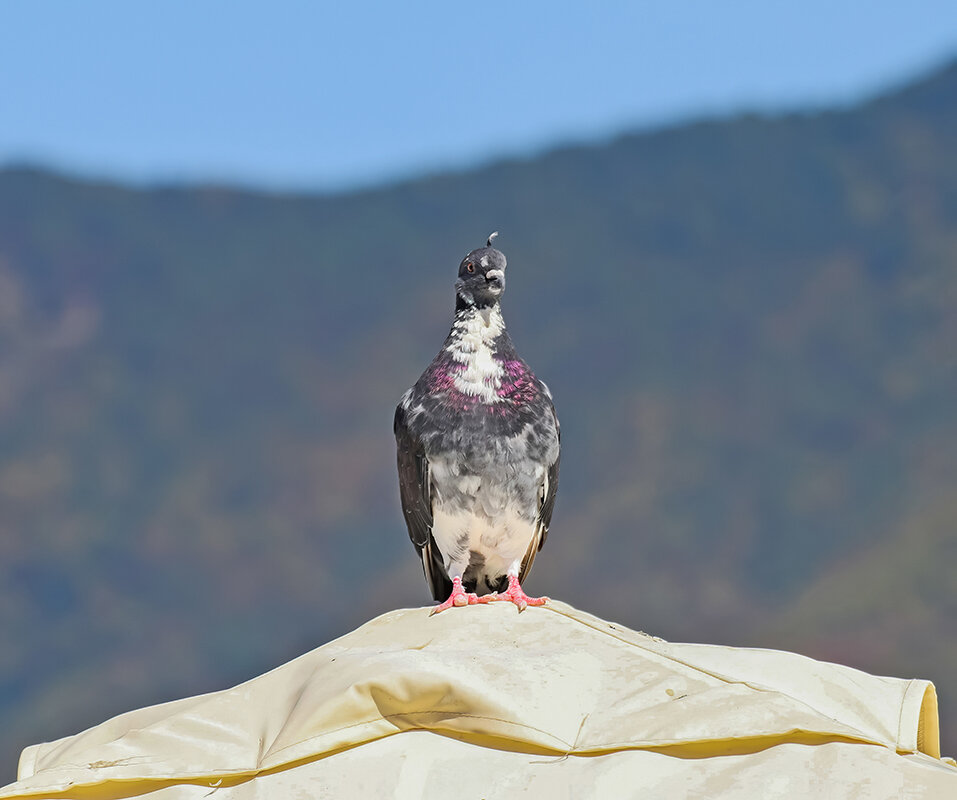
894, 604
748, 326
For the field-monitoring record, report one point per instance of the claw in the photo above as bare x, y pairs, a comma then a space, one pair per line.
459, 597
516, 595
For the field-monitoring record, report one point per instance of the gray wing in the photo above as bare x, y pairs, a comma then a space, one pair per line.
549, 491
416, 495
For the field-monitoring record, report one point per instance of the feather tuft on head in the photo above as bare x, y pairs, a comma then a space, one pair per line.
490, 237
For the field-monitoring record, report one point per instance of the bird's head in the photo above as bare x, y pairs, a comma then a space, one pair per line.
481, 280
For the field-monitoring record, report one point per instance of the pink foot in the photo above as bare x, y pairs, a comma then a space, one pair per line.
516, 595
460, 597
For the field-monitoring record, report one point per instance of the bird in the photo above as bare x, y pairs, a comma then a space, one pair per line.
478, 448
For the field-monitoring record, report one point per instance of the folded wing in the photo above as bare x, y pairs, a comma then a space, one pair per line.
416, 495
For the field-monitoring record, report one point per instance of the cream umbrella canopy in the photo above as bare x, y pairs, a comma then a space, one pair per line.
483, 701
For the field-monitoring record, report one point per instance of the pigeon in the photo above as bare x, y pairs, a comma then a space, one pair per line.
478, 445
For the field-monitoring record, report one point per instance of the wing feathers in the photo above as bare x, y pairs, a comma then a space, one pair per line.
548, 494
415, 491
413, 481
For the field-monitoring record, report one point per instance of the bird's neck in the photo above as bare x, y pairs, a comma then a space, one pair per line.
483, 325
476, 344
469, 302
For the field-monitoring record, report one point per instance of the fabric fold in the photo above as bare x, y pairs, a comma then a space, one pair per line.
550, 682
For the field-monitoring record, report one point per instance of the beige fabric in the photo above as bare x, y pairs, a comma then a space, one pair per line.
482, 700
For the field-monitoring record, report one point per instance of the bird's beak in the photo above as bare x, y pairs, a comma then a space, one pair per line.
496, 279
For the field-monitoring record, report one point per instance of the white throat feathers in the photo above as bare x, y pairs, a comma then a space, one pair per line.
474, 333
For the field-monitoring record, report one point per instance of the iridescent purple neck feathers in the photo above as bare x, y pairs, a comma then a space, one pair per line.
479, 366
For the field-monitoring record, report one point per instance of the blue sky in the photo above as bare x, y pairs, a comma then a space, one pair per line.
329, 96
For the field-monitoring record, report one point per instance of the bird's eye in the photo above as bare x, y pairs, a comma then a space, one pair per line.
470, 267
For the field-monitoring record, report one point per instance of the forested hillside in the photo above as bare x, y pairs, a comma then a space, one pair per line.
749, 326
